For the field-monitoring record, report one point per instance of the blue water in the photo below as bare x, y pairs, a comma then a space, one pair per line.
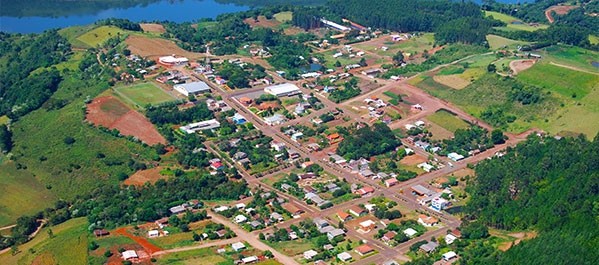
177, 11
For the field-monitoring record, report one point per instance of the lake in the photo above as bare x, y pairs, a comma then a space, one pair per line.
34, 16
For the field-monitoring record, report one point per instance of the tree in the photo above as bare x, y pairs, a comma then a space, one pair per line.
196, 237
69, 140
108, 254
5, 139
268, 254
337, 64
398, 58
497, 136
491, 68
363, 62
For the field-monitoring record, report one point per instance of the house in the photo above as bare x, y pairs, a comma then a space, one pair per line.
367, 225
238, 246
308, 255
297, 136
162, 222
240, 219
282, 90
200, 126
439, 204
391, 182
421, 190
308, 175
335, 233
275, 119
334, 137
429, 247
292, 234
456, 233
314, 198
221, 233
101, 232
332, 187
326, 229
370, 207
277, 146
344, 256
427, 221
255, 224
410, 232
153, 233
387, 237
320, 223
245, 101
372, 72
334, 25
320, 262
419, 123
129, 255
365, 191
366, 173
338, 159
193, 88
455, 156
177, 209
221, 208
216, 164
328, 247
449, 239
357, 210
343, 216
364, 250
286, 187
249, 260
239, 155
449, 255
314, 147
276, 217
238, 119
424, 145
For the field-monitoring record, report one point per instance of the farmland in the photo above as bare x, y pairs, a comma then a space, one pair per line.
513, 23
447, 120
498, 42
571, 56
99, 35
283, 16
144, 94
561, 80
414, 45
200, 256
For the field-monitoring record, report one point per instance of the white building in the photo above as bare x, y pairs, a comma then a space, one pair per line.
308, 255
410, 232
439, 203
248, 260
455, 156
344, 256
449, 239
129, 254
282, 90
200, 126
153, 233
238, 246
449, 255
334, 25
192, 88
240, 219
172, 60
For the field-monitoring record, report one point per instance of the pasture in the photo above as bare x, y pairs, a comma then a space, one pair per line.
498, 42
204, 256
144, 94
567, 82
72, 33
283, 16
571, 56
18, 189
415, 45
513, 23
447, 120
99, 35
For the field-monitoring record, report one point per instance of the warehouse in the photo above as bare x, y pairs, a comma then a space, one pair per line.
282, 90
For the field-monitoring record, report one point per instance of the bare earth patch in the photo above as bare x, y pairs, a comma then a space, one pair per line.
262, 22
141, 177
152, 27
156, 47
413, 160
453, 81
560, 10
113, 114
521, 65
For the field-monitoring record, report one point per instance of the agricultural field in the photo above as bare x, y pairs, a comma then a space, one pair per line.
571, 56
461, 75
567, 82
205, 256
68, 246
412, 46
144, 94
498, 42
99, 35
447, 120
72, 33
513, 23
283, 16
18, 188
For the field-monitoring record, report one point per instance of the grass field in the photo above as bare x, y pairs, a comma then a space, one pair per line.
99, 35
292, 248
567, 82
447, 120
68, 246
18, 189
414, 45
571, 56
509, 20
207, 24
284, 16
71, 34
144, 93
498, 42
206, 256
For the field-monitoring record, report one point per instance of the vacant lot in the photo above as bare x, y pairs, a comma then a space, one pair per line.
111, 113
262, 21
447, 120
204, 256
559, 10
453, 81
513, 23
292, 248
518, 66
414, 45
564, 81
99, 35
144, 94
141, 177
156, 47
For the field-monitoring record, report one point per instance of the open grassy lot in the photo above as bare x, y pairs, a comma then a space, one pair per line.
99, 35
72, 33
207, 256
447, 120
512, 22
344, 60
292, 248
68, 246
571, 56
414, 45
564, 81
20, 193
283, 16
144, 93
461, 75
498, 42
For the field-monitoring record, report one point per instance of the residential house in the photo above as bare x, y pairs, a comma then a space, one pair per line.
286, 187
153, 233
449, 239
343, 216
365, 191
367, 226
276, 217
366, 173
101, 232
421, 190
332, 187
240, 206
177, 209
449, 256
357, 210
370, 207
344, 256
277, 146
427, 221
335, 233
364, 250
255, 224
338, 159
308, 255
455, 156
439, 204
129, 255
221, 233
308, 175
387, 237
162, 222
320, 223
429, 247
238, 246
275, 119
391, 182
250, 260
240, 219
239, 155
221, 208
410, 232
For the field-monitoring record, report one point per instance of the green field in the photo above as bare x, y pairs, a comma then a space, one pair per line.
447, 120
68, 246
99, 35
72, 33
509, 20
498, 42
344, 60
292, 248
206, 256
144, 93
284, 16
207, 24
567, 82
20, 194
571, 56
412, 46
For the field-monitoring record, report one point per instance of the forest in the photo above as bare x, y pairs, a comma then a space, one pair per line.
20, 90
368, 141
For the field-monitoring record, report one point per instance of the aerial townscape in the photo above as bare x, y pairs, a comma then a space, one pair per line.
299, 132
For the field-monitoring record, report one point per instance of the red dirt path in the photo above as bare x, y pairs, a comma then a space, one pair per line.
149, 247
559, 10
111, 113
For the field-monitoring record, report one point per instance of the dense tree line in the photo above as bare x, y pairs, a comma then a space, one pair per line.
368, 141
120, 23
548, 185
5, 139
20, 90
170, 113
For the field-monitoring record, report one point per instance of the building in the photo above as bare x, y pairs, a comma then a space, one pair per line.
101, 232
364, 250
249, 260
429, 247
335, 233
365, 191
427, 221
153, 233
410, 232
343, 216
344, 256
240, 219
449, 239
439, 204
177, 209
338, 159
282, 90
357, 210
200, 126
238, 246
367, 225
421, 190
171, 60
455, 156
238, 119
387, 237
334, 25
320, 223
391, 182
449, 255
192, 88
129, 255
310, 254
276, 217
275, 119
292, 209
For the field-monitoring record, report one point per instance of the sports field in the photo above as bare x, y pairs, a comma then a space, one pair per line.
99, 35
144, 94
513, 23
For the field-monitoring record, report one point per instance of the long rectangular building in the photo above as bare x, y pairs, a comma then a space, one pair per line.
282, 90
192, 88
